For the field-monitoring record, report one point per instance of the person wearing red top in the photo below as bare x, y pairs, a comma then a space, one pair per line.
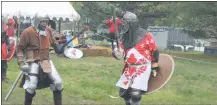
4, 52
9, 27
140, 54
10, 32
111, 24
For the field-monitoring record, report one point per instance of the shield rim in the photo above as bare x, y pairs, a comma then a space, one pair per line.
67, 50
13, 50
173, 63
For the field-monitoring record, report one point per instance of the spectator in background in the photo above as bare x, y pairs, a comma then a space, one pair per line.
27, 22
10, 33
4, 50
75, 41
16, 26
68, 37
52, 24
111, 24
9, 27
22, 25
84, 37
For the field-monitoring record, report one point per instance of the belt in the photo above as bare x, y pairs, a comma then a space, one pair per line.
139, 65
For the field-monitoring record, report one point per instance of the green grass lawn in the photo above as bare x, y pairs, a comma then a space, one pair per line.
90, 80
196, 55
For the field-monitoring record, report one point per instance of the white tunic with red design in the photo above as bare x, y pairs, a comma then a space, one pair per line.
137, 69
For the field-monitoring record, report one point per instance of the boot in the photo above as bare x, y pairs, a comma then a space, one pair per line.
134, 103
57, 97
28, 98
127, 102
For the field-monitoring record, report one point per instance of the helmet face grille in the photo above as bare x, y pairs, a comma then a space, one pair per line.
37, 20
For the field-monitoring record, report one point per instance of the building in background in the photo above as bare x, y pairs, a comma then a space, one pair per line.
166, 37
212, 48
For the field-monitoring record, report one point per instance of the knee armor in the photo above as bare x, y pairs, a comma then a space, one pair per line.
136, 95
124, 93
54, 76
32, 78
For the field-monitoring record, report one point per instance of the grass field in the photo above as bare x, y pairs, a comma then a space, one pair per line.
90, 80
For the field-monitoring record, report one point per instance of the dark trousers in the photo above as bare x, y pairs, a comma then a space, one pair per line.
112, 39
4, 67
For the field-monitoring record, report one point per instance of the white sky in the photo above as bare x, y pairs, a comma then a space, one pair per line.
52, 9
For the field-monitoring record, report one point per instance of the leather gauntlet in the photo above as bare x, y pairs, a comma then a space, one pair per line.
119, 55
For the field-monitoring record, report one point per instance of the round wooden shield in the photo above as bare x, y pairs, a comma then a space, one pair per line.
73, 53
166, 64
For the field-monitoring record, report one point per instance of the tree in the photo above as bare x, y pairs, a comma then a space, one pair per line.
199, 19
98, 12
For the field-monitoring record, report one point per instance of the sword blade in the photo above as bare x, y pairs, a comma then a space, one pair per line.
113, 96
13, 86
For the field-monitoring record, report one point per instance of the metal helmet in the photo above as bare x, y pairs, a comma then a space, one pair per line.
27, 20
128, 19
130, 30
38, 20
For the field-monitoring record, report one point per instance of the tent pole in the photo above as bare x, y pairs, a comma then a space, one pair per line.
59, 25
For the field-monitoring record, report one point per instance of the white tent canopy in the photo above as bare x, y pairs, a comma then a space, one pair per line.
52, 9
